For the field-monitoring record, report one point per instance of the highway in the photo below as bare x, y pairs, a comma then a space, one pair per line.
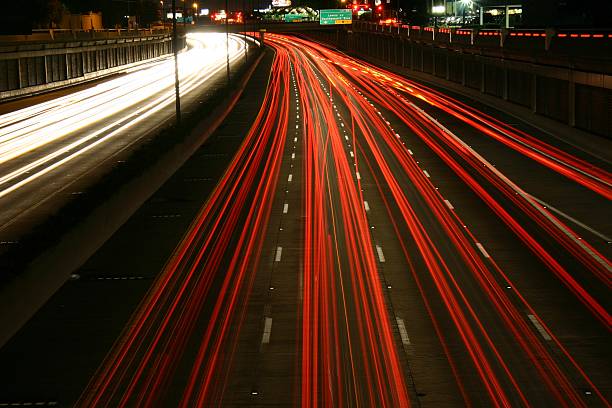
60, 145
372, 242
328, 233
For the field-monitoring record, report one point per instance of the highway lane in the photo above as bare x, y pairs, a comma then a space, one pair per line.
329, 268
60, 145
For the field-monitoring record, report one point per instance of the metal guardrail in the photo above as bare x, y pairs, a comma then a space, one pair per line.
486, 37
51, 35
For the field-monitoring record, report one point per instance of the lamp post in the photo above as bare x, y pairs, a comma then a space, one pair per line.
176, 74
464, 5
437, 11
227, 42
195, 12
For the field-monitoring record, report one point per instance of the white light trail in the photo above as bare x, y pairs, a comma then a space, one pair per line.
112, 103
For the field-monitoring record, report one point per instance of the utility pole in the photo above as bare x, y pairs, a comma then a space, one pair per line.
244, 15
176, 74
227, 41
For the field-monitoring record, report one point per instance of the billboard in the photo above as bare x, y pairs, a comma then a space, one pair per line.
335, 16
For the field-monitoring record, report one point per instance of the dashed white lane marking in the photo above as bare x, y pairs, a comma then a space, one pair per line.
539, 327
366, 205
426, 173
285, 208
290, 178
410, 151
351, 153
381, 255
292, 156
295, 140
279, 253
481, 248
265, 339
403, 332
449, 205
358, 175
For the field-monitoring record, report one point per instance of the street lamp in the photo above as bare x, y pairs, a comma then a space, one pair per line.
195, 12
465, 4
437, 11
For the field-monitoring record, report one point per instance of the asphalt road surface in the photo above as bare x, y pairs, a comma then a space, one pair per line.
372, 242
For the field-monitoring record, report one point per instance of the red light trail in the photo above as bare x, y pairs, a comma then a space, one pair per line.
349, 350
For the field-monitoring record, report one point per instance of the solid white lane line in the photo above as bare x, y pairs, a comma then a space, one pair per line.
572, 219
290, 178
366, 205
285, 208
529, 198
279, 253
265, 339
381, 255
481, 248
403, 332
449, 205
539, 327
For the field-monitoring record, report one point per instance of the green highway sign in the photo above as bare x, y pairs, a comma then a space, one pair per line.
335, 16
294, 18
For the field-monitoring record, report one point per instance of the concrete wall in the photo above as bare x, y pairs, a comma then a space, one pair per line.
571, 87
69, 57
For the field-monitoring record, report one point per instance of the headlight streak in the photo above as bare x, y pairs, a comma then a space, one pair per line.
110, 100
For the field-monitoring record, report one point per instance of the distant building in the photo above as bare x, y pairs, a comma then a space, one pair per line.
86, 21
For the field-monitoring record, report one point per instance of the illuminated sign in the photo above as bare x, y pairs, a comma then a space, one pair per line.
294, 18
281, 3
204, 12
335, 16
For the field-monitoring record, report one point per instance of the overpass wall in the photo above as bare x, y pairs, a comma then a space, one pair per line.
570, 83
50, 60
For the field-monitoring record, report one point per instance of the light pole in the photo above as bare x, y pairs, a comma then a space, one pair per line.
246, 47
465, 4
227, 41
437, 11
195, 13
176, 75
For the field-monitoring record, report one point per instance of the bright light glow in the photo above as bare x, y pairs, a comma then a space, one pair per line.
106, 109
204, 12
438, 9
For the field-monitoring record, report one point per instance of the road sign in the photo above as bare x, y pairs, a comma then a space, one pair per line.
294, 18
335, 16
